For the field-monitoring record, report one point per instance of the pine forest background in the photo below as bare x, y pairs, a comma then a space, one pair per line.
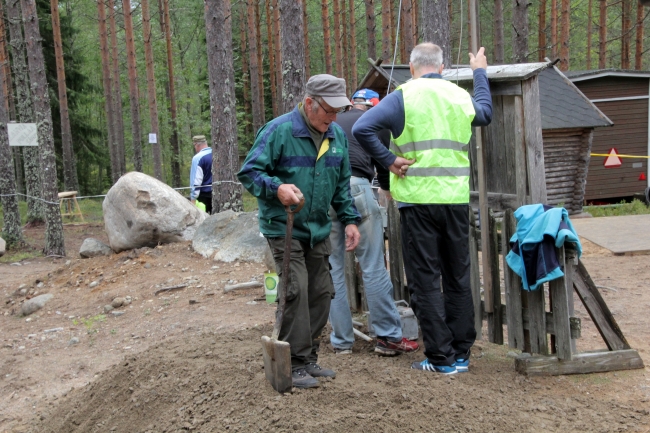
585, 34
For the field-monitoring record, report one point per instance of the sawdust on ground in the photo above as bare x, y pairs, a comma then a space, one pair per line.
190, 359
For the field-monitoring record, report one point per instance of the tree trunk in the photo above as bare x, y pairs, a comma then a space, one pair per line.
345, 41
272, 54
54, 243
11, 231
370, 28
108, 92
305, 20
293, 54
133, 85
400, 43
435, 27
499, 50
353, 48
245, 71
175, 159
254, 67
638, 64
337, 37
151, 89
385, 31
69, 166
327, 47
226, 192
24, 109
590, 16
394, 15
564, 35
416, 21
407, 31
278, 54
602, 35
554, 11
117, 92
626, 29
260, 64
520, 31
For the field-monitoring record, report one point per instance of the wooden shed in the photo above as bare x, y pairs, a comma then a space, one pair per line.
568, 120
623, 97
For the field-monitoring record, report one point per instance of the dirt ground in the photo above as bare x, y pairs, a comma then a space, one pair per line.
191, 359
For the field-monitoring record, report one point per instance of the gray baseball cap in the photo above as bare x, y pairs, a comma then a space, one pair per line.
330, 88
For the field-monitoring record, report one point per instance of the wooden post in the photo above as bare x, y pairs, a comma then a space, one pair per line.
533, 140
559, 293
495, 320
395, 253
514, 292
475, 278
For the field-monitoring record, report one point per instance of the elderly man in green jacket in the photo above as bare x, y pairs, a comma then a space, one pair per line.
305, 152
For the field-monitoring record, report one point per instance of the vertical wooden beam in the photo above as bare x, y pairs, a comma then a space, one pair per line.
521, 171
514, 316
495, 319
395, 253
533, 140
475, 278
559, 294
537, 321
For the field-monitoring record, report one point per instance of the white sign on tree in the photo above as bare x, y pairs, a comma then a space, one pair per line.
152, 138
22, 134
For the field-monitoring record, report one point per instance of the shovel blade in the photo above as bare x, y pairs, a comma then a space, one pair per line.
277, 363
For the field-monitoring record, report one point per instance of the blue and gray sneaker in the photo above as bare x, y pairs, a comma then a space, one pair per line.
427, 366
462, 365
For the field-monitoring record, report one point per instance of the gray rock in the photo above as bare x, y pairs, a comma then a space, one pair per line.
3, 247
140, 211
118, 302
117, 313
93, 284
32, 305
73, 340
108, 308
229, 236
94, 248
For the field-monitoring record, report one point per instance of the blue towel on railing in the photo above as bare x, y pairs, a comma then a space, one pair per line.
540, 229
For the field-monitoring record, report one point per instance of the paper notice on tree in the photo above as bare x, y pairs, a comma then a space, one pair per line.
152, 138
22, 134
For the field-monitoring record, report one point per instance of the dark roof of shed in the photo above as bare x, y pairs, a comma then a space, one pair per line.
563, 105
600, 73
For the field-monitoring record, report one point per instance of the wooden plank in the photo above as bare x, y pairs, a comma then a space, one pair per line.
559, 294
475, 276
495, 322
533, 140
521, 170
484, 217
570, 262
507, 88
581, 363
396, 264
598, 310
537, 317
514, 320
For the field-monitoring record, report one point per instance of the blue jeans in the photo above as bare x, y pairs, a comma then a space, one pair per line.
376, 281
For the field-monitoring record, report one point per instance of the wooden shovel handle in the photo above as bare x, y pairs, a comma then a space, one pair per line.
286, 267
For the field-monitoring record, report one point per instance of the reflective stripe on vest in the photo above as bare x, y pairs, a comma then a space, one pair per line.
437, 129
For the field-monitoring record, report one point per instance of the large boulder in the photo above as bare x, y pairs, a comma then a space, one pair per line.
229, 236
93, 248
140, 211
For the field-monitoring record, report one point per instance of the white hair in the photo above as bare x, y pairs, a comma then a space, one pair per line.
426, 54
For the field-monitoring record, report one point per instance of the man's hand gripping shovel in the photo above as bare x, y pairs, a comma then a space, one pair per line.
277, 354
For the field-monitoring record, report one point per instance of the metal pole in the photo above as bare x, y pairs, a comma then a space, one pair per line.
481, 157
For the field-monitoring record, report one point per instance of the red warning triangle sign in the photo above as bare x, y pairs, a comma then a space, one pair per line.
612, 159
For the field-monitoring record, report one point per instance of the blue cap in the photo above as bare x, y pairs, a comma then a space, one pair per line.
366, 94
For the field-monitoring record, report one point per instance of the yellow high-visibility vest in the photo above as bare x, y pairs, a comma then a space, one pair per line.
437, 129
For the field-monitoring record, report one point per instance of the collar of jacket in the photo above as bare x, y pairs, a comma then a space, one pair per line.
431, 75
299, 127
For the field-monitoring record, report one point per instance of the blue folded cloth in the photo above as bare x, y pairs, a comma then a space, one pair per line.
540, 229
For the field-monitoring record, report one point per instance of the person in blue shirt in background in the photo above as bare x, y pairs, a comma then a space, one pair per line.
201, 173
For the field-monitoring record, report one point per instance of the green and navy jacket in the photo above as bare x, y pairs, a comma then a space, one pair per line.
284, 152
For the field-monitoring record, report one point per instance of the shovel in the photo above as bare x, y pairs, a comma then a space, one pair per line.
277, 354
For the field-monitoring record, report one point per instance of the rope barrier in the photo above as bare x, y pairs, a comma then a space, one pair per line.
620, 156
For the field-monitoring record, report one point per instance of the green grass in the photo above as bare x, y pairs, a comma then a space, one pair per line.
636, 207
91, 209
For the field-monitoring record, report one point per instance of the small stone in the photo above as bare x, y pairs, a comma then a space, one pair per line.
22, 286
117, 313
15, 264
68, 262
118, 302
23, 292
147, 265
193, 301
73, 340
32, 305
39, 285
108, 308
512, 354
93, 284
